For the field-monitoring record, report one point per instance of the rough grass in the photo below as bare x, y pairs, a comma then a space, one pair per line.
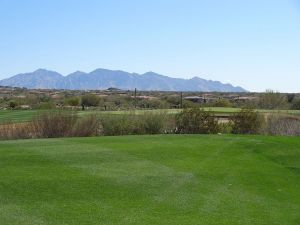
143, 180
27, 115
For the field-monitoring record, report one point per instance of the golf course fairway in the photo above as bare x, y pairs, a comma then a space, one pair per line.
151, 180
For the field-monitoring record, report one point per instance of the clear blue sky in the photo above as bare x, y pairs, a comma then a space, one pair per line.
251, 43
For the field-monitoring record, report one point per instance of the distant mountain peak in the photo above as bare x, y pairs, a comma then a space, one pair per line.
78, 72
99, 70
152, 74
198, 78
43, 71
104, 78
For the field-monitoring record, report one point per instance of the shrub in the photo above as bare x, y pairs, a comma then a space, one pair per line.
225, 127
126, 124
296, 104
54, 124
282, 125
118, 124
173, 100
153, 123
90, 100
196, 120
12, 104
272, 100
86, 127
222, 103
46, 105
74, 101
11, 130
189, 104
290, 97
152, 104
247, 121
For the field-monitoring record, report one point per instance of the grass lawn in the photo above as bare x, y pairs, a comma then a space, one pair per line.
18, 116
151, 180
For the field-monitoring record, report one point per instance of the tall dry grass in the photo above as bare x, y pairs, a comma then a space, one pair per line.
68, 124
282, 125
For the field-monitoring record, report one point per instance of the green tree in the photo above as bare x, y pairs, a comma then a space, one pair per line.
290, 97
12, 104
196, 121
272, 100
296, 104
74, 101
247, 121
222, 103
90, 100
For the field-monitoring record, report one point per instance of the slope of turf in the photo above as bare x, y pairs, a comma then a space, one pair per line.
143, 180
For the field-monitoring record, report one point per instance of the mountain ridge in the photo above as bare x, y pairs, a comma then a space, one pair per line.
103, 78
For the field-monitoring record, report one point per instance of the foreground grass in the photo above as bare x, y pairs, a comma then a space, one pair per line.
143, 180
19, 116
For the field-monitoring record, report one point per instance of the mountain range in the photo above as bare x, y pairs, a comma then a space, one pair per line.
103, 79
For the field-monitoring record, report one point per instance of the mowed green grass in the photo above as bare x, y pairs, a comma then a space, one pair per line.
19, 116
151, 180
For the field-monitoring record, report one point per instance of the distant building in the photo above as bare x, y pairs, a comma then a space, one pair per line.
202, 99
245, 99
196, 99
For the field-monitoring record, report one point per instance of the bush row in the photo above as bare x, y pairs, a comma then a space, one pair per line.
50, 125
189, 121
68, 124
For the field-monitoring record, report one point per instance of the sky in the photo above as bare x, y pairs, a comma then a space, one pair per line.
251, 43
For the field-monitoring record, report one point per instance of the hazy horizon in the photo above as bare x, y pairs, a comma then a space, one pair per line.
255, 45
